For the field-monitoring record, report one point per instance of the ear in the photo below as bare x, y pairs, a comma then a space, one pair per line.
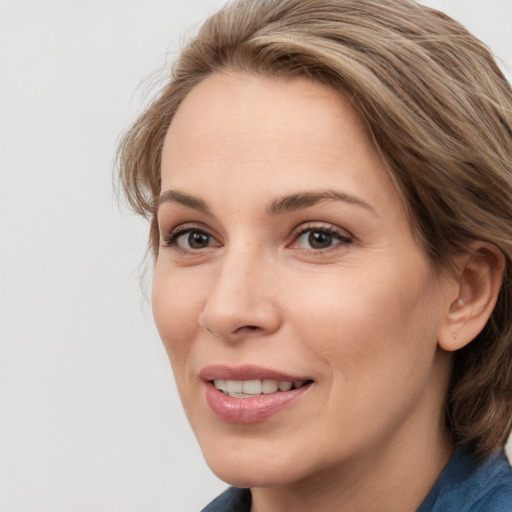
479, 278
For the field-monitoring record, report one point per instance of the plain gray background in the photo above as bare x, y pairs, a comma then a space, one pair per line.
90, 418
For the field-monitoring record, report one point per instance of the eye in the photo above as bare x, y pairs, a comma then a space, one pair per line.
194, 240
320, 238
190, 239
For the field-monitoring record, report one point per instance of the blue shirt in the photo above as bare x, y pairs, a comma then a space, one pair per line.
463, 486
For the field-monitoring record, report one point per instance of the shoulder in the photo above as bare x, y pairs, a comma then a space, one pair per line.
500, 500
465, 486
231, 500
493, 493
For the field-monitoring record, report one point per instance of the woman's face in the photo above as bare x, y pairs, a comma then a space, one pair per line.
289, 278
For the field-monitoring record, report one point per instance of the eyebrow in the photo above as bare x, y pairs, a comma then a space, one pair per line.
280, 205
302, 200
175, 196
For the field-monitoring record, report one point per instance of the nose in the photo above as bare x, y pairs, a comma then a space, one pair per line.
243, 299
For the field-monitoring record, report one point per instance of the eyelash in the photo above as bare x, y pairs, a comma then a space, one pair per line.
171, 240
342, 237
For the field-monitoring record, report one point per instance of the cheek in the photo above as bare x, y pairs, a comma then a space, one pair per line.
366, 319
176, 308
375, 341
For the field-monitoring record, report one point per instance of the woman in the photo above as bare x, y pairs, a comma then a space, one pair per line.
329, 186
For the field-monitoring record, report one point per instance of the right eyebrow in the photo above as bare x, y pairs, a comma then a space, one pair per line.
175, 196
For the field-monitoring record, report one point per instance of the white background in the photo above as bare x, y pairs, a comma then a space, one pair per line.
90, 418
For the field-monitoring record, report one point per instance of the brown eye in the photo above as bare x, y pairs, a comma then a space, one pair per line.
191, 239
319, 240
198, 240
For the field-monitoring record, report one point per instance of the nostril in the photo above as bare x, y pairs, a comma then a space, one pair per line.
247, 327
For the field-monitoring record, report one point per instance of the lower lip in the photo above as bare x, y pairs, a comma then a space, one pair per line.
249, 410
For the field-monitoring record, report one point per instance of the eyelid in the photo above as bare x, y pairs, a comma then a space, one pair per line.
341, 234
181, 229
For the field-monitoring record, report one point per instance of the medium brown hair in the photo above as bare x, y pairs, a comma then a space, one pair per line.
440, 113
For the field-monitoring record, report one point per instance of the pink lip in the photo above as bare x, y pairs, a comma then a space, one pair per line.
247, 410
246, 372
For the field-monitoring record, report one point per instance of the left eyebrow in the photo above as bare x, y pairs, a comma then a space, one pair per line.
302, 200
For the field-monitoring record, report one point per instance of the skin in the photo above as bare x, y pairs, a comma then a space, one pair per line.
361, 317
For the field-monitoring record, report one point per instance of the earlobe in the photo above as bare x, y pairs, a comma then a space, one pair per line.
479, 281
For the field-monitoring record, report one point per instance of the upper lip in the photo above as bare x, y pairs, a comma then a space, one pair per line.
246, 372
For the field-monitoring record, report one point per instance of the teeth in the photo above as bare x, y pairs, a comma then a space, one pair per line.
247, 388
219, 384
269, 386
285, 385
234, 386
251, 387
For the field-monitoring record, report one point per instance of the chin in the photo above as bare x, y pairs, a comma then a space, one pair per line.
254, 468
251, 475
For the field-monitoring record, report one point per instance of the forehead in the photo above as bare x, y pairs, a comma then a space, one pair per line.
235, 128
251, 108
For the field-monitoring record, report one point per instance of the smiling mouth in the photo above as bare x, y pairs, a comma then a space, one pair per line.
256, 387
250, 394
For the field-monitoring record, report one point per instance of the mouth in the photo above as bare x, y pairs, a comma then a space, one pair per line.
254, 387
250, 394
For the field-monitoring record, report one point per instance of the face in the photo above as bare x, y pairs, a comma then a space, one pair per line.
299, 314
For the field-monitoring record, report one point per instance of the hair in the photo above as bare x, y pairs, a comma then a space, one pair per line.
440, 113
